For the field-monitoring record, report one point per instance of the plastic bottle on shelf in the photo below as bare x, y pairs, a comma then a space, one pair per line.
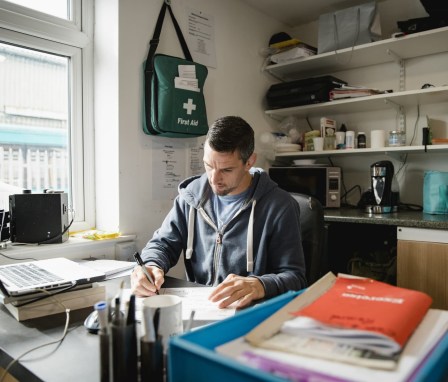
350, 139
362, 144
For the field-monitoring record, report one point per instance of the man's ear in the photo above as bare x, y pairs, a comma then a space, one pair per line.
251, 161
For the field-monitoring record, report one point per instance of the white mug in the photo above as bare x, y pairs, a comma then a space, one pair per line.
170, 318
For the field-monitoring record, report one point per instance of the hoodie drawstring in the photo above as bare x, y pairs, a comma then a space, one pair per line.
250, 239
190, 239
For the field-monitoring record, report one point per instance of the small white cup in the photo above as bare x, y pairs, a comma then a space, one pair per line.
377, 139
170, 319
318, 143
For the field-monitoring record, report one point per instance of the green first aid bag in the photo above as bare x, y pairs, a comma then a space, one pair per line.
174, 97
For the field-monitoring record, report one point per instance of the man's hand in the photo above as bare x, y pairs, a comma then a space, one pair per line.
237, 288
140, 285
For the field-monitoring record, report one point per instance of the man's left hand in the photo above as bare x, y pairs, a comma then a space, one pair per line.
244, 290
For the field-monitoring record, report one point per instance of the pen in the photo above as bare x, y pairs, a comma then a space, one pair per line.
130, 320
139, 261
190, 322
117, 313
101, 308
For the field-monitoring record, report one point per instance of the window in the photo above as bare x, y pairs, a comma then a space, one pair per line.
58, 8
46, 131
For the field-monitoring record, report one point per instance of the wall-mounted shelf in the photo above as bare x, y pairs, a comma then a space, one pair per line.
379, 52
385, 150
363, 104
394, 49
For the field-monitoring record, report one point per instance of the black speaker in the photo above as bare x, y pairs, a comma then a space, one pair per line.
39, 218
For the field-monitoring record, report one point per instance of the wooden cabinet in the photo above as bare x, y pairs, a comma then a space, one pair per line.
422, 262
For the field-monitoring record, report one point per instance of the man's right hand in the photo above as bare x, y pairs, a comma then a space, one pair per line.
141, 286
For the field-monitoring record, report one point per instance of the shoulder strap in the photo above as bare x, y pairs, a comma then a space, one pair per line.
149, 66
156, 36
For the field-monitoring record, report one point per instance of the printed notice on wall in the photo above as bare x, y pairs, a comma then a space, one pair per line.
201, 38
172, 163
196, 159
168, 169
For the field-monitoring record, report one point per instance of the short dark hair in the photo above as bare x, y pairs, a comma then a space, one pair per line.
230, 133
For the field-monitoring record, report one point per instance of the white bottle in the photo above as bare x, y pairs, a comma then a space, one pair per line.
350, 139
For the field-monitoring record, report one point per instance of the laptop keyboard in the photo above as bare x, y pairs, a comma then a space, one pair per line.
24, 275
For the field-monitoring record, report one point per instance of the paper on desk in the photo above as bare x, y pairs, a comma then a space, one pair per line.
111, 268
192, 299
197, 299
426, 336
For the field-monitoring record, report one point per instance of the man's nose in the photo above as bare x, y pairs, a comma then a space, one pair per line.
214, 177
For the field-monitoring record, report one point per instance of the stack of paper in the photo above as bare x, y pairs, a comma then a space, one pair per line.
111, 268
187, 78
380, 333
296, 52
346, 91
46, 305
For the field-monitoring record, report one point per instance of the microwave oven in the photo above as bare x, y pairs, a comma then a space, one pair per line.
321, 182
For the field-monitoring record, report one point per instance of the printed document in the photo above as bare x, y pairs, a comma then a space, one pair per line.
195, 298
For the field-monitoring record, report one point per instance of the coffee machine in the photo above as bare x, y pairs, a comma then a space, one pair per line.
385, 195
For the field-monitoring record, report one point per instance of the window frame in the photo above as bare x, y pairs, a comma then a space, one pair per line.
35, 30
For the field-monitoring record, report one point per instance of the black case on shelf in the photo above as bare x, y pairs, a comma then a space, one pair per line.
302, 92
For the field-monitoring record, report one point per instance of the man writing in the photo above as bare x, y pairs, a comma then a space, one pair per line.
238, 231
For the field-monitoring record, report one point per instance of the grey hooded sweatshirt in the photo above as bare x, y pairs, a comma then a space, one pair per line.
262, 240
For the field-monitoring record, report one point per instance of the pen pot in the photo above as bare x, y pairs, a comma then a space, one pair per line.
124, 352
105, 353
151, 361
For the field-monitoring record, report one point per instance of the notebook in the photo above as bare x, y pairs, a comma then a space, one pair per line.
50, 274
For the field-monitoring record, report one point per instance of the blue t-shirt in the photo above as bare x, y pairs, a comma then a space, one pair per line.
225, 207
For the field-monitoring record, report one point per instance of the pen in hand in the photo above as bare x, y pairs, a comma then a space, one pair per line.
140, 262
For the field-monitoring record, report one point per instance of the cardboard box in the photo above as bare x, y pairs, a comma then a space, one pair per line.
192, 357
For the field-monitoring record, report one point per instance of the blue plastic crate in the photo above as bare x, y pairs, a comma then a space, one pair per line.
192, 357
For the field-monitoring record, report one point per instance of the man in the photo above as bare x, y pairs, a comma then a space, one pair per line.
238, 231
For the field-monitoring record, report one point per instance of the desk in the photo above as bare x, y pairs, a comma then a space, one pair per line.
75, 359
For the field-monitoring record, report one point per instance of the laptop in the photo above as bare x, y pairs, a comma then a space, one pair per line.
51, 274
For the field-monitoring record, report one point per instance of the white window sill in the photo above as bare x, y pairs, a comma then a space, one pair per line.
73, 248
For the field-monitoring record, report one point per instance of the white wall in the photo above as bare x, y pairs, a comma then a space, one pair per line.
235, 87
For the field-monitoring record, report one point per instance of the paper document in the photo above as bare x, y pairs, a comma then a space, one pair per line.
195, 298
433, 327
111, 268
187, 78
186, 84
347, 319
